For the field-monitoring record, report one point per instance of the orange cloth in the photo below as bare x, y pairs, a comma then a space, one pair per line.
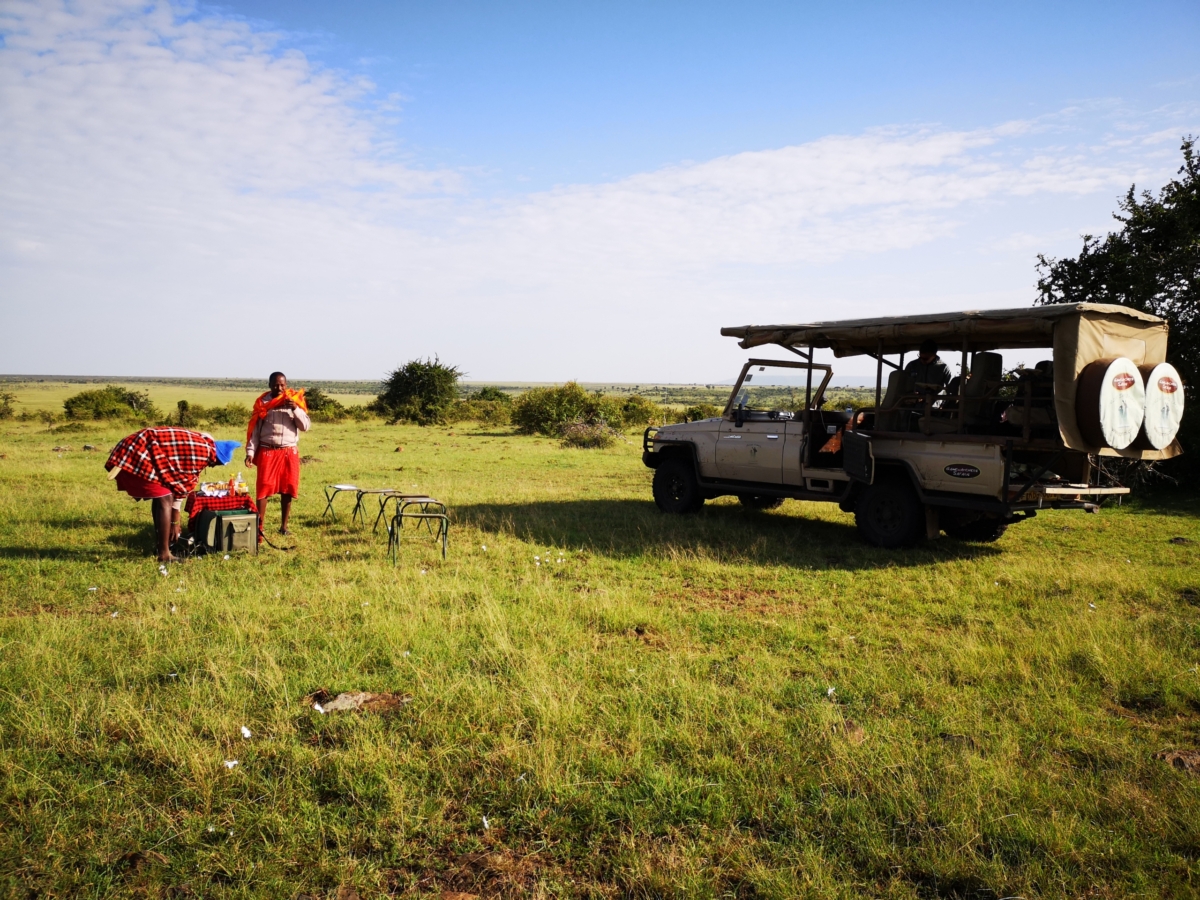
266, 403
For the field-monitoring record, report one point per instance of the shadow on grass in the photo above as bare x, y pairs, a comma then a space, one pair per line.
631, 528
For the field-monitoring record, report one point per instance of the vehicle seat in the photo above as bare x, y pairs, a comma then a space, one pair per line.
986, 372
890, 416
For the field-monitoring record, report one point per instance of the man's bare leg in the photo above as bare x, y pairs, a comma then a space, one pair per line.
285, 512
262, 514
162, 510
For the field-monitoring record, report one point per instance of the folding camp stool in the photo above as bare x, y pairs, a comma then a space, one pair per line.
331, 491
400, 498
431, 511
360, 508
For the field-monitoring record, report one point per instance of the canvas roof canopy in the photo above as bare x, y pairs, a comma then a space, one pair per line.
983, 329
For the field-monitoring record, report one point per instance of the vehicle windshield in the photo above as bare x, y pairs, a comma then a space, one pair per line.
768, 388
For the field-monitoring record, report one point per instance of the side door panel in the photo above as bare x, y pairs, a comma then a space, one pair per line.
753, 452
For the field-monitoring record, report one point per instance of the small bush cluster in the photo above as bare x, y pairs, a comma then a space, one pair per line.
7, 398
700, 411
322, 407
589, 436
191, 415
111, 402
550, 410
489, 412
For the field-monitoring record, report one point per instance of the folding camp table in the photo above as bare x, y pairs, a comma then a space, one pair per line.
430, 512
331, 491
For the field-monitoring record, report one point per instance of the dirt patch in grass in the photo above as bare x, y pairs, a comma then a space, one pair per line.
1184, 760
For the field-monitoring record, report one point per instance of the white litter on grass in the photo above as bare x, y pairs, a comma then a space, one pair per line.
93, 589
422, 571
211, 829
407, 652
162, 570
227, 556
367, 603
486, 824
230, 763
179, 590
174, 608
172, 674
483, 548
1091, 606
319, 708
829, 693
114, 615
246, 733
537, 557
537, 563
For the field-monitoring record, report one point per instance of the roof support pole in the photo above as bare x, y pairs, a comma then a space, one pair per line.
808, 385
878, 378
962, 390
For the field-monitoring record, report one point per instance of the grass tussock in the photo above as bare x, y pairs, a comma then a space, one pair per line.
596, 700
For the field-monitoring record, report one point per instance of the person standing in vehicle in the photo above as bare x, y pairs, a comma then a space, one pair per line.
271, 444
927, 373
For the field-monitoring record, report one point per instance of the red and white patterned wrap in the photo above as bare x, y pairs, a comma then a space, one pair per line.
173, 457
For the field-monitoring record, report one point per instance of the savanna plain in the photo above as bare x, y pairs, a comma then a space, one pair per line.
601, 701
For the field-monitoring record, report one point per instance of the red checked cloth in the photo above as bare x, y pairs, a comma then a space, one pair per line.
198, 503
173, 457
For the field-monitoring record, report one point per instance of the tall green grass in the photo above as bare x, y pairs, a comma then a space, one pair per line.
732, 704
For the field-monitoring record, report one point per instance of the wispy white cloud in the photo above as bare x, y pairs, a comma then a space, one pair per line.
162, 164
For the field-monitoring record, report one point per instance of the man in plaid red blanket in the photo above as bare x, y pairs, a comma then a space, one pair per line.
163, 465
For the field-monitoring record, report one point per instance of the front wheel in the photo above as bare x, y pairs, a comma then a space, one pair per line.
675, 487
889, 514
758, 501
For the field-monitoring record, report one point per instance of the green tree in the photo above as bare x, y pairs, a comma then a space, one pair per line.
7, 398
111, 402
1152, 264
420, 391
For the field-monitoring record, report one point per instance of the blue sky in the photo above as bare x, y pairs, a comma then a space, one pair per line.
568, 92
548, 191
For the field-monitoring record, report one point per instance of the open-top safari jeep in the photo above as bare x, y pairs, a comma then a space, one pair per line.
988, 450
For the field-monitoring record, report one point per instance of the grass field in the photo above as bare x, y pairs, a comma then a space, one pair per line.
606, 702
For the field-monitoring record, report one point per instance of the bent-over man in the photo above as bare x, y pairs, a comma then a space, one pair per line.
271, 440
163, 465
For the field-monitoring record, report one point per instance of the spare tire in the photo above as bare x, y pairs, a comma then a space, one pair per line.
1110, 403
1164, 405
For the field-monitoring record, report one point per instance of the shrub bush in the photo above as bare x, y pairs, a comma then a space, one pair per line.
361, 412
186, 415
637, 410
322, 407
490, 412
589, 436
111, 402
229, 414
6, 401
420, 391
491, 394
548, 410
701, 411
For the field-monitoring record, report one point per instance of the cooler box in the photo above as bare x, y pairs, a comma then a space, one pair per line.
226, 530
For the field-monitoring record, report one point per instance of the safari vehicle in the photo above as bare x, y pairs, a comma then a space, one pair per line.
970, 460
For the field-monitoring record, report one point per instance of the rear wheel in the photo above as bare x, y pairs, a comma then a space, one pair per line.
983, 530
758, 501
675, 487
889, 514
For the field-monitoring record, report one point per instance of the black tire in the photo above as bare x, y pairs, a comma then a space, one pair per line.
983, 530
889, 514
675, 487
758, 501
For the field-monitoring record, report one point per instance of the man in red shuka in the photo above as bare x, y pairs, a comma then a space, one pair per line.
278, 418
